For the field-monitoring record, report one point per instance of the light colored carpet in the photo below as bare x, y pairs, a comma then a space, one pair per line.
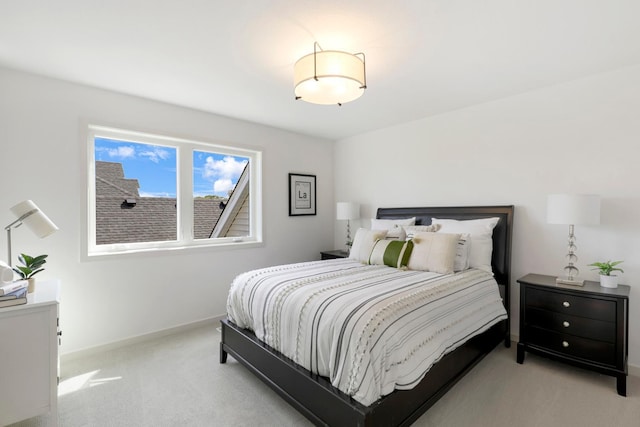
177, 381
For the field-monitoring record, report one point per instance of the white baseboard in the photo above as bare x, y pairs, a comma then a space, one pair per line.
634, 370
213, 321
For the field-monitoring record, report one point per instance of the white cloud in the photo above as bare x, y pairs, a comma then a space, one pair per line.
155, 154
224, 173
156, 194
227, 168
222, 186
122, 152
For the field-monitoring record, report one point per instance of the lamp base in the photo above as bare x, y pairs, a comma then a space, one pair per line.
573, 281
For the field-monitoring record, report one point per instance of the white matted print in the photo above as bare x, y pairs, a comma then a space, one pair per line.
302, 194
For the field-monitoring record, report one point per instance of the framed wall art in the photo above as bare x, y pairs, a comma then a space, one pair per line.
302, 194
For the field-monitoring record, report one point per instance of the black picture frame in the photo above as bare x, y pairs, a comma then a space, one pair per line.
302, 194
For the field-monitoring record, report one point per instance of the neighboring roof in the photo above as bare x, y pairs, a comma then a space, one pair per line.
152, 219
206, 213
110, 181
234, 221
122, 216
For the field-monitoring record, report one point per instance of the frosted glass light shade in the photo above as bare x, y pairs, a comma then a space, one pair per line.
347, 210
37, 222
329, 77
573, 209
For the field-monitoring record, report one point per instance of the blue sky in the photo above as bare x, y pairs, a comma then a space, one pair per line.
154, 166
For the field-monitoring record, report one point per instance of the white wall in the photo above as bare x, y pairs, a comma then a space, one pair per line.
580, 137
108, 300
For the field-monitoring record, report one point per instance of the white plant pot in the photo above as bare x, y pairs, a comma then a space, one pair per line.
31, 287
608, 281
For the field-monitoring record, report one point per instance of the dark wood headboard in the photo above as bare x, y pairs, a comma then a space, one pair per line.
501, 256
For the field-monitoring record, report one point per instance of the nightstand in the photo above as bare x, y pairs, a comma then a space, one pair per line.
338, 253
29, 355
585, 326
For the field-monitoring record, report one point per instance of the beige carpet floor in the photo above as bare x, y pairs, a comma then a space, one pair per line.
177, 381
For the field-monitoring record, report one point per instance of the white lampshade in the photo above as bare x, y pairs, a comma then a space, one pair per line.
329, 77
347, 210
37, 222
573, 209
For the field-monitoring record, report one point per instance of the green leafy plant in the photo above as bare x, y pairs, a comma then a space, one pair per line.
30, 265
606, 268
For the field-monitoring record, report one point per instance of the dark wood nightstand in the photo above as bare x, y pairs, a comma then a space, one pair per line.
585, 326
338, 253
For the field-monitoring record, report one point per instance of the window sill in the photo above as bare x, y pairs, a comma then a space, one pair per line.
168, 250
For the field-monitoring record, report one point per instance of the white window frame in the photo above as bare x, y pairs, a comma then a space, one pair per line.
184, 197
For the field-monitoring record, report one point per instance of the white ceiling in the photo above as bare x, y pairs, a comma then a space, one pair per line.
235, 57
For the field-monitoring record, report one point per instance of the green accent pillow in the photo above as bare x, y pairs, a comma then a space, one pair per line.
394, 253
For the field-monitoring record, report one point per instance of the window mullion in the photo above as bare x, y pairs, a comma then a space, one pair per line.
185, 193
255, 215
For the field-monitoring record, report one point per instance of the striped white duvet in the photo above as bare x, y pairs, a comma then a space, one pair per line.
370, 329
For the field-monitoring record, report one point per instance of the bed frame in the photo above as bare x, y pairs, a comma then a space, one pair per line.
325, 405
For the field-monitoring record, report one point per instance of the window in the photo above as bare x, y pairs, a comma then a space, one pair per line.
149, 192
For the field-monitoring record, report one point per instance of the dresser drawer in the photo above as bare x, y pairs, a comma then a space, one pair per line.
573, 325
571, 345
574, 305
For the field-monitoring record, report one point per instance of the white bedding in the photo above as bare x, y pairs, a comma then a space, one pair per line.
370, 329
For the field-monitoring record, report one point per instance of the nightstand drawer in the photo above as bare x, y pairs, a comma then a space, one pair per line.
574, 305
571, 345
574, 325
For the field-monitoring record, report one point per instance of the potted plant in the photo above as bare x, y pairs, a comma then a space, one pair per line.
607, 280
30, 267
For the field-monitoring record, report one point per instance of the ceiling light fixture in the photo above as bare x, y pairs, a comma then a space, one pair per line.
329, 76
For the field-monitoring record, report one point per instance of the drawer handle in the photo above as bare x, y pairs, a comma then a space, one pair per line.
565, 344
565, 324
566, 304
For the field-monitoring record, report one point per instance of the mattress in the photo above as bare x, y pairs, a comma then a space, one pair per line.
370, 329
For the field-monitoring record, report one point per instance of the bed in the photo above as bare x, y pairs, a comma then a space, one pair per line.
322, 403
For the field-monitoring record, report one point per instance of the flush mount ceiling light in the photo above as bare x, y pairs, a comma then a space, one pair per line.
329, 76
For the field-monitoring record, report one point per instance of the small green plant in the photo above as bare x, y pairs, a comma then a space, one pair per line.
30, 265
606, 268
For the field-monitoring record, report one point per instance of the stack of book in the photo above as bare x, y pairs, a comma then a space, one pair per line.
14, 293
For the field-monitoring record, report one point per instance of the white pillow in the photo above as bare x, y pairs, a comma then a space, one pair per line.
363, 243
481, 231
411, 230
393, 226
462, 253
433, 252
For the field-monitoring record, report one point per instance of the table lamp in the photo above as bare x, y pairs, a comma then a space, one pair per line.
348, 211
29, 214
572, 209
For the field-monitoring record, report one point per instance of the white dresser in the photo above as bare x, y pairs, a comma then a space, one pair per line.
29, 356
